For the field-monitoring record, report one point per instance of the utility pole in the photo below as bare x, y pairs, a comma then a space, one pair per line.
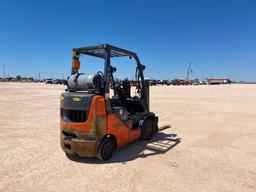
202, 75
4, 71
189, 69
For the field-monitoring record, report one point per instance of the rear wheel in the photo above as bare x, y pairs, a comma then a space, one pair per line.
106, 149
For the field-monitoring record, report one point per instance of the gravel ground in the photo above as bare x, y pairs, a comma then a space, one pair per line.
211, 145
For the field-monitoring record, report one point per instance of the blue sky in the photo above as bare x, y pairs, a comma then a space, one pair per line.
216, 36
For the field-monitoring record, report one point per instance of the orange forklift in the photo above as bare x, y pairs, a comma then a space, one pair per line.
93, 122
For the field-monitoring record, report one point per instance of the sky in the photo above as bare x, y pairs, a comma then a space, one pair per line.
218, 37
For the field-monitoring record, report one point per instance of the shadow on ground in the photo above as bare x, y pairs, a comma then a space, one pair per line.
159, 144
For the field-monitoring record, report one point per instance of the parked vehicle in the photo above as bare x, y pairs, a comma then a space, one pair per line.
178, 82
93, 123
49, 81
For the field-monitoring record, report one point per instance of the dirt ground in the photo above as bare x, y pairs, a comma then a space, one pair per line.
211, 145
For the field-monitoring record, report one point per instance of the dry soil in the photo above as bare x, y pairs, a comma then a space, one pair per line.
211, 145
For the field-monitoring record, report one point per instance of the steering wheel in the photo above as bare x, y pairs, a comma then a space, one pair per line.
98, 79
100, 73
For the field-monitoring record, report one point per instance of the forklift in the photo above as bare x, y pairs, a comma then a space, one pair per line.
98, 114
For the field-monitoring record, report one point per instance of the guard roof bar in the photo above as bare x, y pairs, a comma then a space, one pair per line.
101, 51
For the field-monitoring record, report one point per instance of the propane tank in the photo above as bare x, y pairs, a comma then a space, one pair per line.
81, 81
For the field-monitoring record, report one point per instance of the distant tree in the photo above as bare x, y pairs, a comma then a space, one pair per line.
18, 78
31, 78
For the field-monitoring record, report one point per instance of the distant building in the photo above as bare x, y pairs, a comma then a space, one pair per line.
215, 81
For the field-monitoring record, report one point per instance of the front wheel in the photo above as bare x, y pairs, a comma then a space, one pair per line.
106, 149
147, 129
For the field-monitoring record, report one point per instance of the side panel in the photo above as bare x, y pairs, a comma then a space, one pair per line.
117, 128
134, 134
101, 117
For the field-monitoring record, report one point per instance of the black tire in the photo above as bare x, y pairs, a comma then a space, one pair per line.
147, 129
71, 156
106, 149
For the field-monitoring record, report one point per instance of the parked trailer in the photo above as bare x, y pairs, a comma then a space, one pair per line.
216, 81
